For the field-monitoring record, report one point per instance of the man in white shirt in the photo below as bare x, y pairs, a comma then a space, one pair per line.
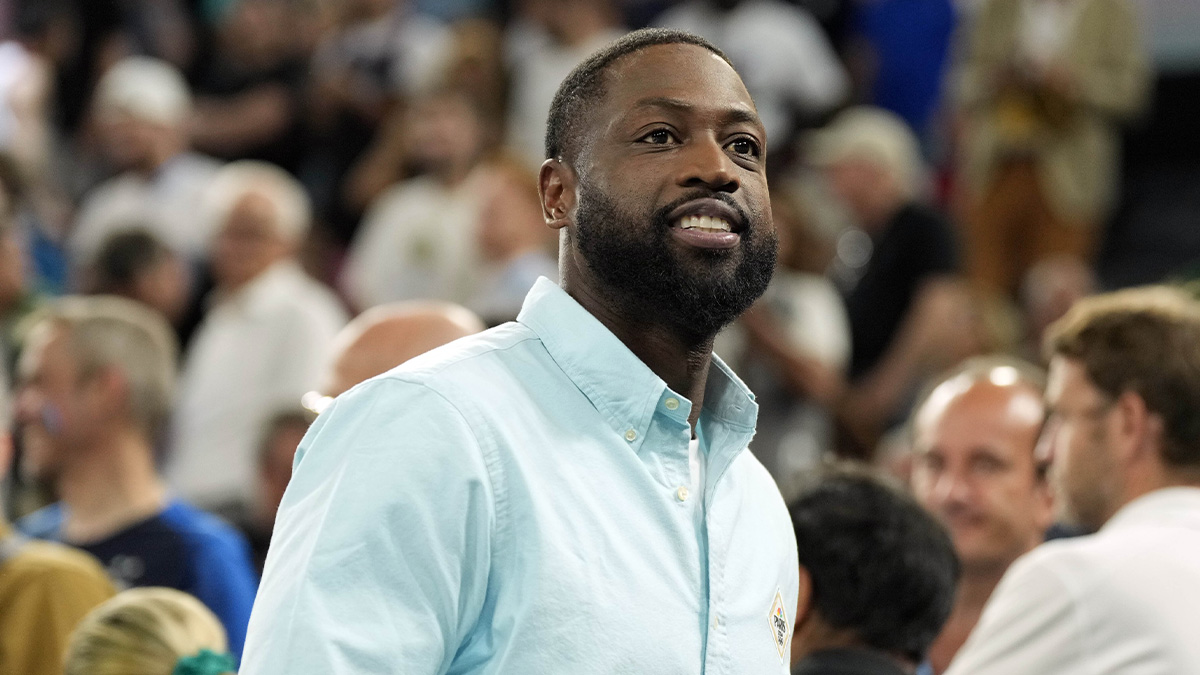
143, 106
261, 346
1124, 441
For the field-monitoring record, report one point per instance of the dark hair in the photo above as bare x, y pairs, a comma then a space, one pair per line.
579, 92
880, 565
1145, 341
125, 256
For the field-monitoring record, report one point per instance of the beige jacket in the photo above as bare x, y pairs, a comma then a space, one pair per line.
1076, 154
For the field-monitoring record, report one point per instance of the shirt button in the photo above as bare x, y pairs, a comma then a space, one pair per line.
671, 403
631, 435
682, 493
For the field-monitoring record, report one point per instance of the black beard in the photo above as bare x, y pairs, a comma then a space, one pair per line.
650, 282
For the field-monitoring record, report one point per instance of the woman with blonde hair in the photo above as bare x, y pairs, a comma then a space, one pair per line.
150, 631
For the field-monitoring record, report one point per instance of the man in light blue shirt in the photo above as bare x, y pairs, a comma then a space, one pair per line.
569, 493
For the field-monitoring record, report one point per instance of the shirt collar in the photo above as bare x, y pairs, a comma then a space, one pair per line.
1162, 506
620, 386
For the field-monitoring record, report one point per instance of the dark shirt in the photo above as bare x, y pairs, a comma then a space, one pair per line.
182, 548
849, 662
914, 247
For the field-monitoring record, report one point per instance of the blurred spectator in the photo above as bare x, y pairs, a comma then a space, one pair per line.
376, 341
150, 631
383, 337
382, 53
544, 42
974, 439
276, 453
514, 242
249, 98
16, 297
142, 106
899, 54
1041, 88
135, 264
792, 349
910, 317
419, 239
1050, 288
97, 377
788, 64
262, 344
45, 588
877, 578
1124, 443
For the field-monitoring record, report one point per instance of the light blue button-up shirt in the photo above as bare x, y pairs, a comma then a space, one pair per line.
511, 503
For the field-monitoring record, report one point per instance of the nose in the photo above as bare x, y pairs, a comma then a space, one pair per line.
950, 488
707, 165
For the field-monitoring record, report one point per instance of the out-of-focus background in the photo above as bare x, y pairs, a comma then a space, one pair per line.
948, 177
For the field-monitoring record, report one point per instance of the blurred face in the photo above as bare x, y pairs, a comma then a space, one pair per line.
164, 287
510, 222
863, 187
276, 468
975, 469
444, 134
130, 143
55, 404
248, 243
12, 260
1084, 467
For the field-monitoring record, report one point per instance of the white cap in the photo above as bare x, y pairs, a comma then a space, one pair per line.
874, 135
146, 88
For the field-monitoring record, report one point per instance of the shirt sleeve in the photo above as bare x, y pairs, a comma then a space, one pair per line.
37, 621
380, 556
1031, 625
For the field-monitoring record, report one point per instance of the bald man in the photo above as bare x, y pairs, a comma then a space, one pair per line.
976, 468
376, 341
385, 336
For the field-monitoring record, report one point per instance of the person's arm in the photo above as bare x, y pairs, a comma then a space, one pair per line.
381, 552
38, 620
1030, 626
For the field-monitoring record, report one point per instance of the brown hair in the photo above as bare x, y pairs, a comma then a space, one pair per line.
1145, 341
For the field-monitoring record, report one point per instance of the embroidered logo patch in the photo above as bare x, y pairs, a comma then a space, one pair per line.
779, 624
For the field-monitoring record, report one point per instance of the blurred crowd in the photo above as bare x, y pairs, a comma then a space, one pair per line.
216, 215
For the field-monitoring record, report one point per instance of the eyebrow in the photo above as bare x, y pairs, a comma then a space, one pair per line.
730, 115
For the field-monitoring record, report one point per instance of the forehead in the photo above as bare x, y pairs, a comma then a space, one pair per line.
983, 414
680, 72
45, 346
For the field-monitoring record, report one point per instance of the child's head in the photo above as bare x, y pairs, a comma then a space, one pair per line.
149, 631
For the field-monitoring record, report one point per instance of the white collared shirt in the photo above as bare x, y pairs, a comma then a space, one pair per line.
1125, 600
256, 353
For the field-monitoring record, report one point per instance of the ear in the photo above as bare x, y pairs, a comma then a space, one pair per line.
556, 189
1133, 427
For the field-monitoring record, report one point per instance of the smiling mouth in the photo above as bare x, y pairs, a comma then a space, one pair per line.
705, 224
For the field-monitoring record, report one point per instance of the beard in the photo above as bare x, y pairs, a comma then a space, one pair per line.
695, 293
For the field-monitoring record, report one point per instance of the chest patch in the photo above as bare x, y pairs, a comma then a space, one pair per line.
779, 624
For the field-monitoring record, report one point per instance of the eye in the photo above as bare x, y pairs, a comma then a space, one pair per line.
659, 137
746, 146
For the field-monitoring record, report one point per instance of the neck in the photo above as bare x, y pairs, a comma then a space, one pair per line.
680, 361
111, 487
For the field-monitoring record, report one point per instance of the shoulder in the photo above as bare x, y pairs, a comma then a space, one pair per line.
53, 564
201, 530
493, 348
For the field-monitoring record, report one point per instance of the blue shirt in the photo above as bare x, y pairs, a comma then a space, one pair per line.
183, 548
512, 503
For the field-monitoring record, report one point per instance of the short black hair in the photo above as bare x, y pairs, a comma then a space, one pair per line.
578, 93
124, 257
881, 566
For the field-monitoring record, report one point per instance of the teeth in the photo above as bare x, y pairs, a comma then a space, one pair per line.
704, 224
